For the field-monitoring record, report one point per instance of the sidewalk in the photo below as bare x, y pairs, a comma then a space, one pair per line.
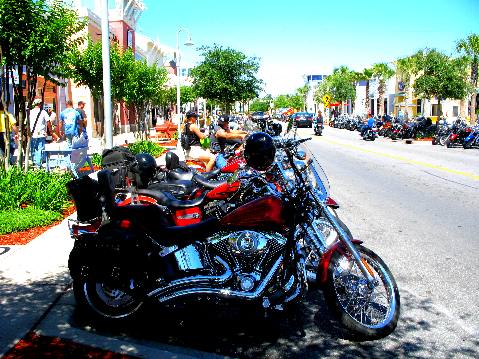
35, 296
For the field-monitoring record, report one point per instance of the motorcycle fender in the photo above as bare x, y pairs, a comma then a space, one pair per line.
453, 137
326, 258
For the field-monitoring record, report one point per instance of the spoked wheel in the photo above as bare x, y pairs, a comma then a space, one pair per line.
368, 313
104, 300
442, 140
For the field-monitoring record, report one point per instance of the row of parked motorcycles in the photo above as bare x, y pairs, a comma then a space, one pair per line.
386, 126
456, 134
262, 230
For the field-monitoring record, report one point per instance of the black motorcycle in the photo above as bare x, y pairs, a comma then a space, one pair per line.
318, 127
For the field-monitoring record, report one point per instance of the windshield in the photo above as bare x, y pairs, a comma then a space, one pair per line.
316, 173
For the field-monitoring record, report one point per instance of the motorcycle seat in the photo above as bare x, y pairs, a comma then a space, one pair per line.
203, 181
170, 201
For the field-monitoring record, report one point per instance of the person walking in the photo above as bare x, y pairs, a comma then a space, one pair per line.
38, 127
70, 122
81, 110
7, 118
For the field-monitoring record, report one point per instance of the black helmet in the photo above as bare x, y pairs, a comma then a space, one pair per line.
259, 151
146, 168
223, 119
276, 129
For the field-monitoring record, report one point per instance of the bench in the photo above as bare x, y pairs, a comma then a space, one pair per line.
165, 131
68, 158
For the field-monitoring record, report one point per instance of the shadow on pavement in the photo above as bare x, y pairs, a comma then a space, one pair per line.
307, 330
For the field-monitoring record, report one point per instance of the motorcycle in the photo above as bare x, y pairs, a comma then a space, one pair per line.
318, 127
370, 134
458, 134
472, 139
255, 251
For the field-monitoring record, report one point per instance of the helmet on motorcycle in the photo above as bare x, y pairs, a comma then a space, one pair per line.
276, 129
146, 168
259, 151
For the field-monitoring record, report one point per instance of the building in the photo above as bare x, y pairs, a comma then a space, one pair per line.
313, 82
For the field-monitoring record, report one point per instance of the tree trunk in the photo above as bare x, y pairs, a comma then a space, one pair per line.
366, 108
473, 109
381, 97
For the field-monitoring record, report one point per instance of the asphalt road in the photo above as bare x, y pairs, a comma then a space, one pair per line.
416, 205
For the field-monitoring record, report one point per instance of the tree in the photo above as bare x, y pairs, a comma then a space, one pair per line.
365, 75
303, 93
470, 46
382, 72
440, 76
143, 85
259, 105
406, 67
340, 85
226, 76
35, 35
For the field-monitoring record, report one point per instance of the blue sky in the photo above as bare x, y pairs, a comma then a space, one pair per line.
292, 38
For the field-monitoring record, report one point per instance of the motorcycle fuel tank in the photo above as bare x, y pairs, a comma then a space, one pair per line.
264, 212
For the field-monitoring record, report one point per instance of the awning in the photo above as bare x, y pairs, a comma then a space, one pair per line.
334, 104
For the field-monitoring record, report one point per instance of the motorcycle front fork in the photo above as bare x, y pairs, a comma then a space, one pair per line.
367, 272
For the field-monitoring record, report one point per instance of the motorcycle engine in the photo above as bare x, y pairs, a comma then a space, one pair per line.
250, 254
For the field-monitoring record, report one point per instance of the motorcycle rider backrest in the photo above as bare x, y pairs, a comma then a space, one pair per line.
106, 189
259, 151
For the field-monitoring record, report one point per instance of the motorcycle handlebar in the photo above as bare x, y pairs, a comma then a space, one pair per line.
290, 143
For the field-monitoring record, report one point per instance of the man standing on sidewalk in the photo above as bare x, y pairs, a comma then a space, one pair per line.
70, 120
38, 127
81, 110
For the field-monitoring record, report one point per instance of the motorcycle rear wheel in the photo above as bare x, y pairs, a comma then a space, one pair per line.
366, 313
103, 300
442, 140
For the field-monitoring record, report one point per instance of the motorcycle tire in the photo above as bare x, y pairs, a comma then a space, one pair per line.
97, 299
393, 137
448, 143
467, 145
442, 140
359, 308
434, 141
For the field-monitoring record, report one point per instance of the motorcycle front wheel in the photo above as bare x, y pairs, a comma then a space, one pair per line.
104, 300
367, 313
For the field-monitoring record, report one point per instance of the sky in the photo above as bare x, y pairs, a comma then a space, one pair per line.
292, 38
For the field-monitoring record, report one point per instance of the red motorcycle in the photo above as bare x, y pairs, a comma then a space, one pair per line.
261, 249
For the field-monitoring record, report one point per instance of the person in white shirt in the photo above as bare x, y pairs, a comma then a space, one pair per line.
38, 127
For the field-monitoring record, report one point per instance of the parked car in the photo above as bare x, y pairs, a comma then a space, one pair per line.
260, 115
302, 119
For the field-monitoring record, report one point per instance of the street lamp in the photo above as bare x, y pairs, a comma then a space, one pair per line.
178, 74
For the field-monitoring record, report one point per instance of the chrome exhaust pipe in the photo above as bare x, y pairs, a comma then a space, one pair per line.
222, 292
196, 280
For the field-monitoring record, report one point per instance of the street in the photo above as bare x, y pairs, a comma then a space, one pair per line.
411, 203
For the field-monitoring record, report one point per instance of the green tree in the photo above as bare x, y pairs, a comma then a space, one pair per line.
143, 85
406, 67
226, 76
441, 76
382, 72
35, 35
340, 85
365, 75
470, 47
282, 101
259, 105
303, 93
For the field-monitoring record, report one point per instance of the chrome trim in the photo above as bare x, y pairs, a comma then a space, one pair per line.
217, 280
225, 292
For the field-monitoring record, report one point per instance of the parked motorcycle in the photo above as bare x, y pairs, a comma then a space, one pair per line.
254, 251
472, 139
458, 134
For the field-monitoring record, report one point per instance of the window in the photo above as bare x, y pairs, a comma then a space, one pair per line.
419, 106
435, 110
455, 111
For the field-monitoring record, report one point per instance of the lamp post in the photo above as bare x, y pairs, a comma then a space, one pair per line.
178, 75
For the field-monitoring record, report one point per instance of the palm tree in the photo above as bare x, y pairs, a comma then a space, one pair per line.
470, 46
382, 72
365, 75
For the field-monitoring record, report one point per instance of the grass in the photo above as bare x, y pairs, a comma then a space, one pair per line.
15, 220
